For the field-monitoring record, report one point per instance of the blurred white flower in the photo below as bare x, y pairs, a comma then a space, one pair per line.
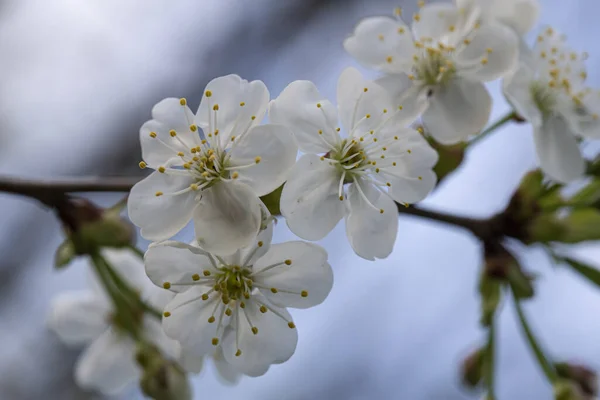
439, 67
520, 15
226, 372
214, 177
86, 317
239, 301
553, 97
380, 159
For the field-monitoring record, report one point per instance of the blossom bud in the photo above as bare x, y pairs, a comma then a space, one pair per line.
583, 377
450, 157
64, 254
565, 390
544, 228
580, 225
501, 265
589, 195
472, 369
90, 227
161, 379
271, 201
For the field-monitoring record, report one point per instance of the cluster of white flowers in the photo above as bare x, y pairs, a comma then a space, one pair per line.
231, 287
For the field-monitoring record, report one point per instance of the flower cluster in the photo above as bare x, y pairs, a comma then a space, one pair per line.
226, 293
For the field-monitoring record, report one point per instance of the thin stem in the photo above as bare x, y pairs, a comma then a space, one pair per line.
539, 354
137, 251
511, 116
482, 228
490, 357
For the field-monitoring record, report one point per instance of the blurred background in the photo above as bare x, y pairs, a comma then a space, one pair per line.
78, 78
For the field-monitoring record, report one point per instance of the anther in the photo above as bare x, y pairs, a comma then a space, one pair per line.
167, 285
172, 133
208, 93
196, 277
242, 304
204, 297
253, 117
142, 165
420, 178
318, 105
235, 175
206, 272
238, 353
365, 90
215, 341
291, 325
211, 319
158, 194
263, 309
242, 104
228, 312
381, 211
216, 107
389, 59
255, 330
182, 101
273, 290
304, 293
380, 37
368, 116
260, 243
161, 170
341, 198
193, 186
288, 262
257, 159
152, 134
166, 314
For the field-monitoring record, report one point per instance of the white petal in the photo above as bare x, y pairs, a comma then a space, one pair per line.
310, 201
376, 39
78, 317
160, 217
410, 148
297, 108
262, 244
154, 333
228, 93
411, 98
226, 372
188, 320
127, 264
275, 341
227, 218
357, 98
498, 45
517, 89
371, 233
277, 149
439, 22
108, 364
175, 262
409, 184
558, 151
457, 111
308, 271
161, 148
521, 15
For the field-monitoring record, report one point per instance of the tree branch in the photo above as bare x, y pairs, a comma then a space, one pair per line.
53, 192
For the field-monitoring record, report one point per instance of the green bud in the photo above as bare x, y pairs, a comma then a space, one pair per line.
544, 228
450, 157
472, 370
582, 376
161, 379
565, 390
64, 254
531, 187
271, 201
589, 195
581, 225
109, 231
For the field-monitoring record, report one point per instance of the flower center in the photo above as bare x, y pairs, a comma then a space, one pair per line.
433, 66
349, 155
233, 282
544, 97
208, 166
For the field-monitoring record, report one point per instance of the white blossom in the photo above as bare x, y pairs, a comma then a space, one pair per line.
554, 98
238, 301
438, 68
211, 166
380, 159
86, 317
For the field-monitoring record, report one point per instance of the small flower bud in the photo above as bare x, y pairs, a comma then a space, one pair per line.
580, 225
544, 228
161, 379
472, 369
583, 377
64, 254
565, 390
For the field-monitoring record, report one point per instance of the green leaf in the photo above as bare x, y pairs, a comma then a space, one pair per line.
589, 272
64, 254
271, 200
587, 196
